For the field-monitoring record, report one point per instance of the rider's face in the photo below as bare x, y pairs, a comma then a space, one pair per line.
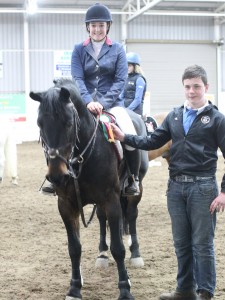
130, 68
98, 30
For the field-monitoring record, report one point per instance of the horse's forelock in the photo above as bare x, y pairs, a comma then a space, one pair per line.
51, 102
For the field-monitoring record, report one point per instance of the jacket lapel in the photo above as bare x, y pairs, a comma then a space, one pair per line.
104, 50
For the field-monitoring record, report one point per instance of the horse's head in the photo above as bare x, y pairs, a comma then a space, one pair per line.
58, 122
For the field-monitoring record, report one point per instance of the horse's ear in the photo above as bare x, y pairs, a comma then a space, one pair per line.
35, 96
64, 94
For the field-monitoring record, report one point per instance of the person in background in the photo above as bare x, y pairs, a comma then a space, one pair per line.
197, 131
8, 151
135, 86
99, 69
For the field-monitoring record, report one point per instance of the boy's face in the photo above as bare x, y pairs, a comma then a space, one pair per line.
195, 90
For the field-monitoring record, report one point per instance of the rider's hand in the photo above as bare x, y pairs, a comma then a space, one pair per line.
95, 107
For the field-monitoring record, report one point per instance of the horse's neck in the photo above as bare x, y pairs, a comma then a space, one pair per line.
87, 125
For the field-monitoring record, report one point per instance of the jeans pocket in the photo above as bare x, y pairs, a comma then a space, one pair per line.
208, 188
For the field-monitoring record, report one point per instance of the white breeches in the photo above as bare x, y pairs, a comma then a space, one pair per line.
8, 152
124, 121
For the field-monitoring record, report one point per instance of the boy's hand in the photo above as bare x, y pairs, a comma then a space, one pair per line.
118, 134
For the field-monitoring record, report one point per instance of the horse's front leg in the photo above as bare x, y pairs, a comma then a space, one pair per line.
131, 214
102, 260
71, 221
114, 216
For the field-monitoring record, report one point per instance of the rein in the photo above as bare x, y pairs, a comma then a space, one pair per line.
80, 160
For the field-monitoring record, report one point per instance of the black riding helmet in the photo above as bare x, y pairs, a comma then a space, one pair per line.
98, 13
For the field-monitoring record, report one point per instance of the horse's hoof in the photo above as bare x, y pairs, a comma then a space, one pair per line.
125, 295
72, 298
137, 262
102, 263
102, 260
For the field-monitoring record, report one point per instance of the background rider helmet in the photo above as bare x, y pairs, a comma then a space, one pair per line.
133, 58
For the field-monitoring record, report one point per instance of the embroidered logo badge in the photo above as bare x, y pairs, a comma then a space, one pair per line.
205, 119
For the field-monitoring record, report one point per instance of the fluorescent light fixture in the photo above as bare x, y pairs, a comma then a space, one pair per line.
31, 7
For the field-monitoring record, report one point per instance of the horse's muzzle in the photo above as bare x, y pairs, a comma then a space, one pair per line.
58, 180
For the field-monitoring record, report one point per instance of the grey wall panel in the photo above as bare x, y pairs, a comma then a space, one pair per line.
41, 70
223, 69
11, 45
55, 31
11, 31
170, 27
62, 31
13, 72
222, 34
163, 65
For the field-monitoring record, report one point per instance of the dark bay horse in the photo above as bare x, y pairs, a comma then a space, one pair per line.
84, 168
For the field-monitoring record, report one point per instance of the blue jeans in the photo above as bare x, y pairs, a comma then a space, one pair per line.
193, 229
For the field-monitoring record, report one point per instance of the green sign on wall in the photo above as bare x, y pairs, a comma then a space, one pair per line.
12, 104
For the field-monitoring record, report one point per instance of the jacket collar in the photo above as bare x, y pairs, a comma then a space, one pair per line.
179, 110
108, 41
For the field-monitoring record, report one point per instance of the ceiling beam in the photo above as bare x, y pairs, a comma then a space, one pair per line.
220, 8
143, 9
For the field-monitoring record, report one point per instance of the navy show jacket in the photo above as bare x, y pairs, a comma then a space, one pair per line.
100, 79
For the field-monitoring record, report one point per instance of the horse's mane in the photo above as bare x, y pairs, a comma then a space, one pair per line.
70, 85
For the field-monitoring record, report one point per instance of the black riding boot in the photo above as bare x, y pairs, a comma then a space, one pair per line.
48, 190
133, 160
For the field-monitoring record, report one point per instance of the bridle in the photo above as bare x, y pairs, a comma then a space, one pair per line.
52, 153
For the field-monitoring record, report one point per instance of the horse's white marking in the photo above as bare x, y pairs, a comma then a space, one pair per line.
129, 241
103, 253
129, 282
82, 280
137, 262
101, 262
71, 298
